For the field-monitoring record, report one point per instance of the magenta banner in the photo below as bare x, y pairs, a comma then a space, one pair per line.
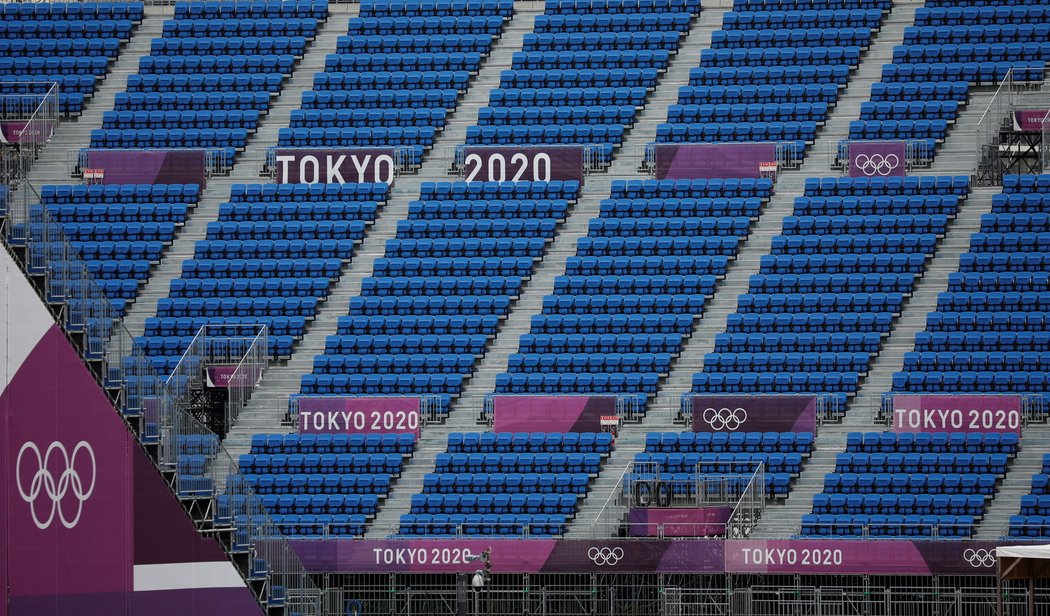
869, 159
510, 555
335, 166
149, 166
522, 163
678, 521
359, 415
820, 556
220, 376
754, 413
16, 132
1000, 414
1030, 120
816, 556
712, 160
551, 413
68, 480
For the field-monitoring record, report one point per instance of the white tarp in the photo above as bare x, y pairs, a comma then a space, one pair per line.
1023, 551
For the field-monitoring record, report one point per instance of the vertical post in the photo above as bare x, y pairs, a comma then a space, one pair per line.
998, 587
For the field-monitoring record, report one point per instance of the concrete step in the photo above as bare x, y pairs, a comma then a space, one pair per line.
268, 407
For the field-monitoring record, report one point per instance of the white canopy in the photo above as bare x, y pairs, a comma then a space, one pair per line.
1023, 551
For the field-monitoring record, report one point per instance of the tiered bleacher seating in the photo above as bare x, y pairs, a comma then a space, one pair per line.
921, 484
840, 272
1034, 518
208, 80
120, 231
989, 333
71, 43
438, 294
772, 74
396, 75
629, 297
947, 51
583, 74
506, 484
270, 259
680, 456
324, 484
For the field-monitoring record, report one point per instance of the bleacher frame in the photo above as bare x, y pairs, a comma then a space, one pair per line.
677, 595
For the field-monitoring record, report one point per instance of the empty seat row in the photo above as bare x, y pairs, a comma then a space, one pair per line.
506, 483
534, 442
932, 442
903, 504
332, 443
564, 504
729, 442
469, 525
281, 26
613, 22
895, 525
463, 24
720, 73
518, 462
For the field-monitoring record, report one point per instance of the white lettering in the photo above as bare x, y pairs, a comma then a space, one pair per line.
334, 172
361, 166
284, 161
309, 170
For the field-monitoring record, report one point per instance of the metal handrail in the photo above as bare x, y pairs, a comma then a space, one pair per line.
203, 473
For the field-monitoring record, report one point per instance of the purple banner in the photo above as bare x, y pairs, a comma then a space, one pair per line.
1029, 120
551, 413
220, 376
16, 132
68, 480
359, 415
869, 159
755, 413
510, 555
335, 166
1000, 414
713, 160
148, 166
523, 163
816, 556
829, 556
678, 521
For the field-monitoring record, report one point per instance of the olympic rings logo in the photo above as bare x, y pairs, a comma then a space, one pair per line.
44, 483
605, 555
876, 164
980, 557
724, 418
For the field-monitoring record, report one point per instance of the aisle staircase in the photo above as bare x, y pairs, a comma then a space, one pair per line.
268, 408
468, 407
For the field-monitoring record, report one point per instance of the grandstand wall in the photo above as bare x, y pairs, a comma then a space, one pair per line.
90, 526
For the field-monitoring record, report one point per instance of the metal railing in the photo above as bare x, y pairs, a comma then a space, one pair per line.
201, 472
581, 530
642, 484
630, 408
1044, 144
997, 117
17, 161
749, 507
787, 154
217, 162
246, 376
